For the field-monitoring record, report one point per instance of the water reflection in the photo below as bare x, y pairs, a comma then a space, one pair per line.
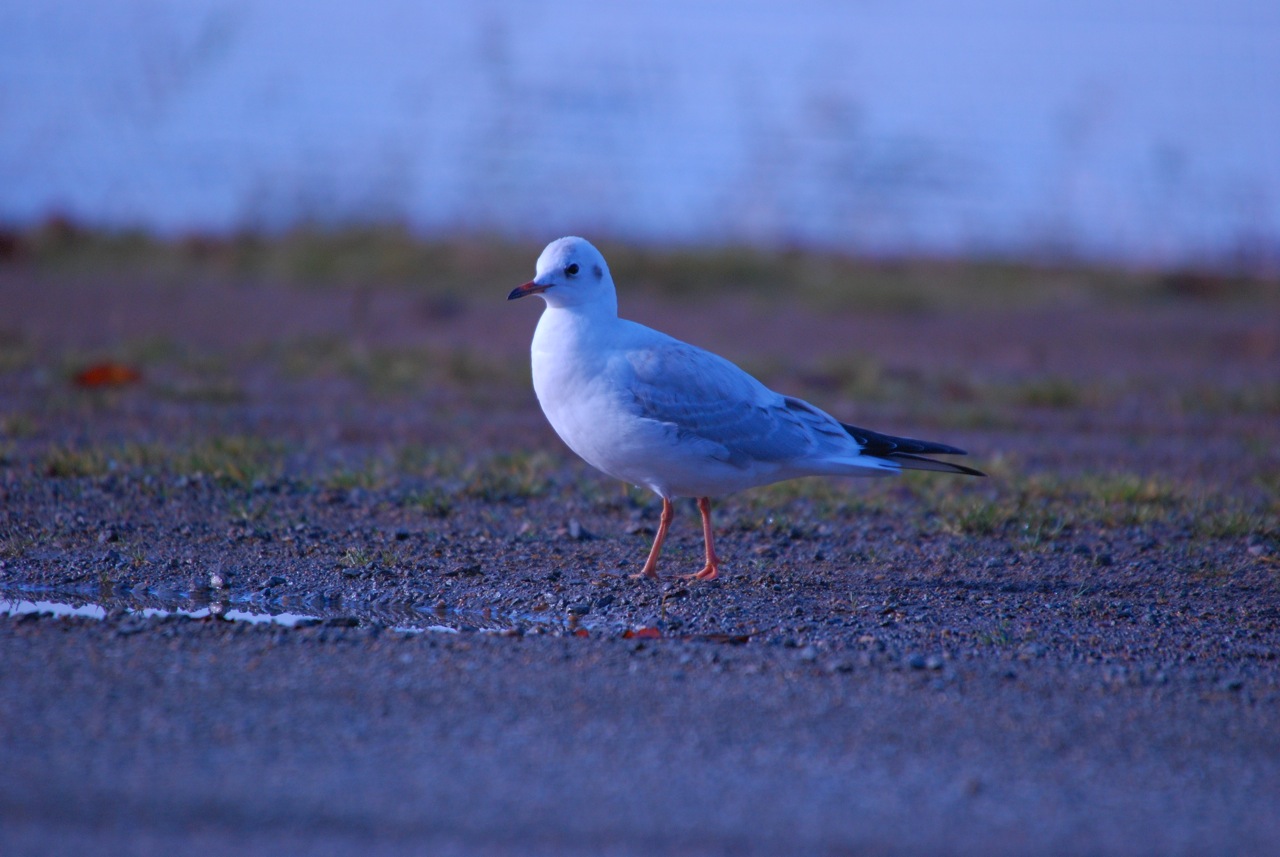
97, 611
404, 616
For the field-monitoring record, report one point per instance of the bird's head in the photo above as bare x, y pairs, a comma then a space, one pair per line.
571, 273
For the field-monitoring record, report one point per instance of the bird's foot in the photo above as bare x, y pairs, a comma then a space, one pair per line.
709, 572
647, 574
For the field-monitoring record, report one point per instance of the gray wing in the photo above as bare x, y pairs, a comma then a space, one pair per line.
700, 395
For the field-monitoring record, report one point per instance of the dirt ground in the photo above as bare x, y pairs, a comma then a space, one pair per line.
1079, 654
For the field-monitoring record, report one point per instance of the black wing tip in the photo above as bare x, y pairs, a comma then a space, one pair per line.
916, 462
908, 449
966, 471
884, 445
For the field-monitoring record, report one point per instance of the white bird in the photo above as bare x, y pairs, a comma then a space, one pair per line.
651, 410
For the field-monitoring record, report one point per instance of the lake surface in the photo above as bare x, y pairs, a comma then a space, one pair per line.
1146, 132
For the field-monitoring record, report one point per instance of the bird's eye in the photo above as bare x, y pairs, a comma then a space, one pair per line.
572, 270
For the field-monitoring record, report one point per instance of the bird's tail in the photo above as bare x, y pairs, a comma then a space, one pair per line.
908, 453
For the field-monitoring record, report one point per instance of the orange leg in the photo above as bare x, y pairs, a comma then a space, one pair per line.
712, 568
650, 569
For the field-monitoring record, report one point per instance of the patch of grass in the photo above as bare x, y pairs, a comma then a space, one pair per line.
1050, 393
508, 476
1236, 522
68, 463
1259, 399
435, 501
977, 517
354, 557
387, 370
1032, 511
234, 460
432, 462
314, 256
17, 426
832, 281
390, 254
368, 476
998, 637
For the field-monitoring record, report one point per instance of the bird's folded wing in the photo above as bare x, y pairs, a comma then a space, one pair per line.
701, 395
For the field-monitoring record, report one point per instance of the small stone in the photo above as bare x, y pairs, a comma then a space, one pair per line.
576, 532
917, 661
582, 608
808, 653
276, 580
934, 662
216, 581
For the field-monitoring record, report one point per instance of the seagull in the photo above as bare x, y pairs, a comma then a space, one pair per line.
653, 411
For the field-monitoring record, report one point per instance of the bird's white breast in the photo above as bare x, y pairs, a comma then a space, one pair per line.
583, 376
575, 373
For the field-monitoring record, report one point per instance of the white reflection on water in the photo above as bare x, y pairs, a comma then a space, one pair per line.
95, 611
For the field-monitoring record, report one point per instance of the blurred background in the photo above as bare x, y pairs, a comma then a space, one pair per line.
1143, 134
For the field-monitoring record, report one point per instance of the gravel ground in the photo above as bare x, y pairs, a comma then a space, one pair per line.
1076, 655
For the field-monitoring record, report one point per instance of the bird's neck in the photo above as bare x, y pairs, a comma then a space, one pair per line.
573, 327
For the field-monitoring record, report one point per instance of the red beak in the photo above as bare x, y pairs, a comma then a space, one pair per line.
529, 288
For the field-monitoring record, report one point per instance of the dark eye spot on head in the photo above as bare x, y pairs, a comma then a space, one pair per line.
598, 271
572, 270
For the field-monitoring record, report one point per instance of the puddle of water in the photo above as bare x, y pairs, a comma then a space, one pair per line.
97, 611
402, 617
